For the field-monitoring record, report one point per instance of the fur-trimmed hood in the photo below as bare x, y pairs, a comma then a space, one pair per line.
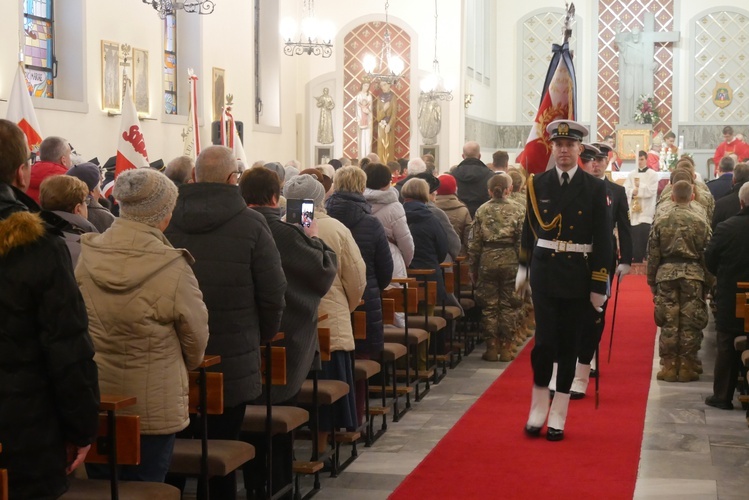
18, 226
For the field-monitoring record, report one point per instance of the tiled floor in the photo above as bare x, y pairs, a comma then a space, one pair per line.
689, 450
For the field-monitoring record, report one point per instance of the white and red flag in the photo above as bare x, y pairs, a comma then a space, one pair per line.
21, 110
191, 135
230, 136
131, 146
558, 101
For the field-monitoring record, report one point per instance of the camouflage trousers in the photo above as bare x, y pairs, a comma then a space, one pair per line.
681, 312
501, 306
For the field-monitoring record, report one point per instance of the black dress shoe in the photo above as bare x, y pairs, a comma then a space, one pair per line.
593, 373
576, 395
717, 403
554, 434
551, 394
532, 431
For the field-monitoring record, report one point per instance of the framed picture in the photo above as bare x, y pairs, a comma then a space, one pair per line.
433, 150
218, 92
323, 154
140, 81
630, 142
111, 93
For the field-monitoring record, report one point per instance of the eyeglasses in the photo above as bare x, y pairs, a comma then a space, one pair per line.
237, 173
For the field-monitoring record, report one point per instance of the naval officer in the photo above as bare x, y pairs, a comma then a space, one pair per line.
565, 255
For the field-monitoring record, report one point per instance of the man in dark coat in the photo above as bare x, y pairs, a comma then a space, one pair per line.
49, 389
239, 272
564, 259
721, 186
727, 256
473, 177
729, 205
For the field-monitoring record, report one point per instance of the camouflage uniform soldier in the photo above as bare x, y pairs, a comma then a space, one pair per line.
702, 194
493, 257
525, 322
676, 274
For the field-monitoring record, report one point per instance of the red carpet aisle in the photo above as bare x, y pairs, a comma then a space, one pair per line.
487, 455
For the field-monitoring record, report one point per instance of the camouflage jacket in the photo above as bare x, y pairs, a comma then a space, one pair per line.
497, 224
702, 196
676, 247
518, 197
666, 205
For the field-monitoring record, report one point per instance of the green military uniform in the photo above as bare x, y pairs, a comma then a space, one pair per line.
702, 196
493, 249
676, 270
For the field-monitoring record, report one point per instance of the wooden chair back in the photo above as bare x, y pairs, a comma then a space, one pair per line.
448, 277
277, 365
127, 441
323, 336
359, 323
388, 311
214, 385
398, 296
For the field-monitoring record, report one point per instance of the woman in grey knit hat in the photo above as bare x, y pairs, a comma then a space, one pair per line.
146, 316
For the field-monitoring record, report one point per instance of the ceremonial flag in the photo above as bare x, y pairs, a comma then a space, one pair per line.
191, 135
131, 148
21, 110
230, 136
558, 101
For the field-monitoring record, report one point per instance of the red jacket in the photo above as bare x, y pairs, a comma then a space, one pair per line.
40, 171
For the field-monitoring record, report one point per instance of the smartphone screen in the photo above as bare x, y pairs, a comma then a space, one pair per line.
308, 212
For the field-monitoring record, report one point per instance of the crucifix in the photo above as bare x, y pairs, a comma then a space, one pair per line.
637, 64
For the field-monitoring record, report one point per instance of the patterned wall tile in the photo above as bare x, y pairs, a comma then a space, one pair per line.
365, 39
623, 15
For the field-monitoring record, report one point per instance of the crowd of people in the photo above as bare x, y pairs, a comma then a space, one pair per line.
125, 294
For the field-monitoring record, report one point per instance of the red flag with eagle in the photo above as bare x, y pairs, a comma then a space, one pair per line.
21, 110
558, 101
131, 147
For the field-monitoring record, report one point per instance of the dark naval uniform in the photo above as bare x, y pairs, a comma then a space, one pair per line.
567, 244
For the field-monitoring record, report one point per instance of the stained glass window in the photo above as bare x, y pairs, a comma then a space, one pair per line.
39, 47
170, 64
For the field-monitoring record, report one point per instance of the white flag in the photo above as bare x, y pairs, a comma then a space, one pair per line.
191, 135
21, 110
131, 146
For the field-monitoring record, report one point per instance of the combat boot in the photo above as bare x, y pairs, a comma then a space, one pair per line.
668, 372
491, 353
686, 371
506, 352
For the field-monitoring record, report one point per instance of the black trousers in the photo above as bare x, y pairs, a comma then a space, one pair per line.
726, 366
558, 325
592, 331
640, 234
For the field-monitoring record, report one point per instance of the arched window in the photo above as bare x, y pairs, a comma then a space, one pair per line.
170, 64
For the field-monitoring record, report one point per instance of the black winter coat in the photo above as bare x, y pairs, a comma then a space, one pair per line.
727, 257
430, 242
472, 176
49, 388
726, 207
310, 267
239, 272
721, 186
355, 213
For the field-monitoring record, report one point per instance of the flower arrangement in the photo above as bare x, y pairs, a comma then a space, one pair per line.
646, 110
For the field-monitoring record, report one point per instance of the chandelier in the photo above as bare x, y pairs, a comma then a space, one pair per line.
433, 87
315, 37
168, 7
389, 66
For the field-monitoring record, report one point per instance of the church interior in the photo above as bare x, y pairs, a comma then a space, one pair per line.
293, 73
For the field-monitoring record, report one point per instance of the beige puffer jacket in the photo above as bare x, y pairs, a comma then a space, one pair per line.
147, 320
348, 287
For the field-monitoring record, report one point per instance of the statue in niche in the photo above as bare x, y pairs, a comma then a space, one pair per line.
386, 119
429, 119
325, 127
364, 117
637, 64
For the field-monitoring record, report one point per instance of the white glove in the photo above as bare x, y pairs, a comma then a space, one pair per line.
598, 300
622, 269
522, 281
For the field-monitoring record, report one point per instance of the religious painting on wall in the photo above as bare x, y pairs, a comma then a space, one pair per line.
218, 92
110, 76
140, 81
630, 142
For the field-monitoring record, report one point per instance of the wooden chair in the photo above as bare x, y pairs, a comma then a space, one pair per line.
466, 293
3, 480
205, 458
118, 443
272, 420
364, 370
452, 315
316, 393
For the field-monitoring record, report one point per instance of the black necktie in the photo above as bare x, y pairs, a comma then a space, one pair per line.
565, 180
